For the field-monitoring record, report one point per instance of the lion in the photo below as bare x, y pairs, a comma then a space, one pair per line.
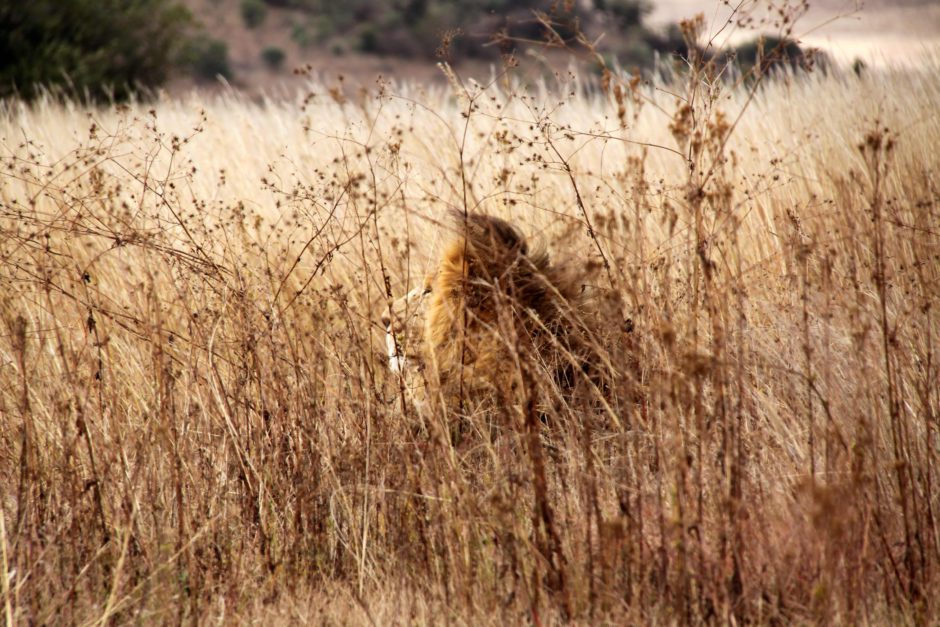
495, 317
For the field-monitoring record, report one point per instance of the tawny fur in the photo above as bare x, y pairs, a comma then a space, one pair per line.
491, 301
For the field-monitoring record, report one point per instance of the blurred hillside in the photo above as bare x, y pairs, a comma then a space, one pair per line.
400, 39
108, 49
404, 39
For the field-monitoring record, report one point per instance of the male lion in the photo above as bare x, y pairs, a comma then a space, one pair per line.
495, 317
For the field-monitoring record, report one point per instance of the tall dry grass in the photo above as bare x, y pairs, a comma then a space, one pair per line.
198, 421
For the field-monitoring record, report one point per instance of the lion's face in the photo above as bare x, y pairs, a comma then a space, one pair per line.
404, 321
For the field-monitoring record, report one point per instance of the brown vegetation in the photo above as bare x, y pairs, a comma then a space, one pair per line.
198, 421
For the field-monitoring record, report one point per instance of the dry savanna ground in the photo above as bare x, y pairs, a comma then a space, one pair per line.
197, 420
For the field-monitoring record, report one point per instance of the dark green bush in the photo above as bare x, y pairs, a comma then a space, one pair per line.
771, 52
625, 13
368, 40
208, 58
101, 49
301, 35
253, 12
273, 57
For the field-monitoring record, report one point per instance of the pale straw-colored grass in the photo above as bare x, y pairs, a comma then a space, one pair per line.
198, 421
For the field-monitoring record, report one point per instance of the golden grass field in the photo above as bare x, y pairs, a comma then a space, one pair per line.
199, 424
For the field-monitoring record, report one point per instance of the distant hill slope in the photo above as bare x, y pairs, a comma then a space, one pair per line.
361, 39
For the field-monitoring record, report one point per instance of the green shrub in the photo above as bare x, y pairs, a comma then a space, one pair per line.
368, 40
301, 35
253, 12
105, 49
208, 58
273, 57
625, 13
771, 52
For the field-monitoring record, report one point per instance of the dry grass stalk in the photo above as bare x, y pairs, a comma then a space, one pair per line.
199, 421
